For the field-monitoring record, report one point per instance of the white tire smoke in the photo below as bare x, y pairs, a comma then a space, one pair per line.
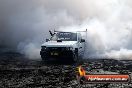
25, 24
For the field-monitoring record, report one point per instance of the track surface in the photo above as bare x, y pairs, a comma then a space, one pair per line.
20, 72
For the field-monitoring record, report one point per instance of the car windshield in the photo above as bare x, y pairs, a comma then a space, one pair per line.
64, 36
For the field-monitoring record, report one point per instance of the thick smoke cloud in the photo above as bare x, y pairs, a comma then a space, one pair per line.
24, 24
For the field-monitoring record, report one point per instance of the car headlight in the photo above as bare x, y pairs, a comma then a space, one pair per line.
43, 47
69, 48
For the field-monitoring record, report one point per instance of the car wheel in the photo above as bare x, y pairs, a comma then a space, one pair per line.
75, 57
43, 58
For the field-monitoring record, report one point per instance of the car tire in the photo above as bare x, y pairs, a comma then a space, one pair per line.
43, 58
75, 57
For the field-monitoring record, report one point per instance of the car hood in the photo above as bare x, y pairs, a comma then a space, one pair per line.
59, 44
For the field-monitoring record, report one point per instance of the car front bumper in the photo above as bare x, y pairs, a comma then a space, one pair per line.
57, 54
